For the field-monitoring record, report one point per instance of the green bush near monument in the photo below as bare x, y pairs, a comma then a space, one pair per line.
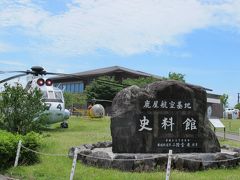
8, 148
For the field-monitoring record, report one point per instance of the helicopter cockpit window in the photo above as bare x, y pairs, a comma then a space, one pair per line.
50, 95
58, 95
45, 96
54, 97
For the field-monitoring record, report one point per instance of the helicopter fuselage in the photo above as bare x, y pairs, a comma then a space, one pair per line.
53, 99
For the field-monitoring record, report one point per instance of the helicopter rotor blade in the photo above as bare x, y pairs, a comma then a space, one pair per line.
100, 100
60, 74
35, 71
4, 72
64, 75
12, 77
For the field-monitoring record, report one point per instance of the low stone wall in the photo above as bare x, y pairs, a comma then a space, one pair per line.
100, 155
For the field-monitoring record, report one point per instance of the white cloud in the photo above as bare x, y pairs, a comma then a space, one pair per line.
11, 62
122, 26
21, 13
229, 14
125, 27
5, 47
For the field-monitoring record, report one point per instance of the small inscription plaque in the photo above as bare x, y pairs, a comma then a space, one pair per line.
177, 143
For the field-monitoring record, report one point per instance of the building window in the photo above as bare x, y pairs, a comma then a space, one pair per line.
72, 87
81, 87
68, 89
76, 89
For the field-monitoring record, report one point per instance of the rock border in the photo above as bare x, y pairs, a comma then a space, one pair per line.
100, 155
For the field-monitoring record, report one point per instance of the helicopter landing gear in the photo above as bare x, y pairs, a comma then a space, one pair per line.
64, 125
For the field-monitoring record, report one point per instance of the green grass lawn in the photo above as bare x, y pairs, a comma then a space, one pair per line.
232, 126
84, 130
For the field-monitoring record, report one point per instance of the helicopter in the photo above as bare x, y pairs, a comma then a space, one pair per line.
96, 110
52, 96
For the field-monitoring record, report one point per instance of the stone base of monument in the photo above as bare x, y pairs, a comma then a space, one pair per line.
100, 155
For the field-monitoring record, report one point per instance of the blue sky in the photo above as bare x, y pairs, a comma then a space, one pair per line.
199, 38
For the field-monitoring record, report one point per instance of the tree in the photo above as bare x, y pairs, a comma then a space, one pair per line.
237, 106
176, 76
103, 88
224, 100
142, 81
72, 99
20, 110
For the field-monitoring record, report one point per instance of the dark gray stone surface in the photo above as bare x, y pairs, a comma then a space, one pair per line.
105, 158
164, 115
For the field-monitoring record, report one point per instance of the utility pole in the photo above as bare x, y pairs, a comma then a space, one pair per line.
238, 98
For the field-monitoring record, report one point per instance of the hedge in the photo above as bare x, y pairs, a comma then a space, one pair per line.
8, 148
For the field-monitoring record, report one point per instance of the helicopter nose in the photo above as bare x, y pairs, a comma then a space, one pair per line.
66, 114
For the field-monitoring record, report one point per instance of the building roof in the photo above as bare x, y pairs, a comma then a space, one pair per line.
112, 69
106, 70
102, 71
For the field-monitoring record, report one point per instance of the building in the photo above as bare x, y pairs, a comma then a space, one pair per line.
215, 107
78, 81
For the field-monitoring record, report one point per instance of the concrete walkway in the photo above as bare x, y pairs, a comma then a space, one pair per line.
2, 177
228, 136
6, 178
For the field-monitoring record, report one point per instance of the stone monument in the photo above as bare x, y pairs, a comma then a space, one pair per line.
147, 122
161, 116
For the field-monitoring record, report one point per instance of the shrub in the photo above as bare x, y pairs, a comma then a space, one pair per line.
18, 109
237, 106
8, 144
8, 148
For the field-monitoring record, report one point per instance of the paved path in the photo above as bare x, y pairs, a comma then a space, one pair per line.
2, 177
229, 136
6, 178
